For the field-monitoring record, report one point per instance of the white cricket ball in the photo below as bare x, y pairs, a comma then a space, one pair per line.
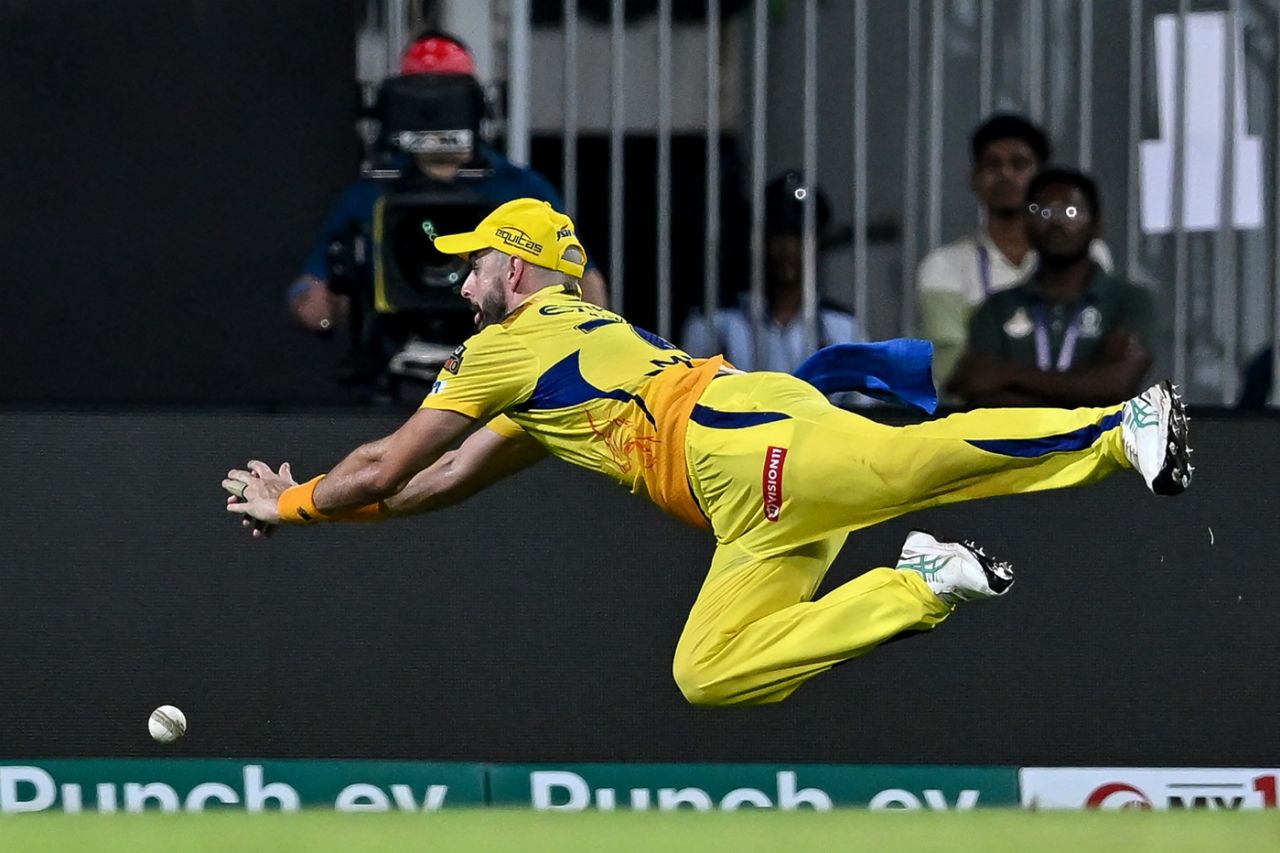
167, 724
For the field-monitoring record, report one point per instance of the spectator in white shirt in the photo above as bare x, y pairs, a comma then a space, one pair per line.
782, 345
954, 279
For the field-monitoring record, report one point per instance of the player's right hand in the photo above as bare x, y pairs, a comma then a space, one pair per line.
255, 494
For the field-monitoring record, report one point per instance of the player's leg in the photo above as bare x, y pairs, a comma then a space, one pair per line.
992, 452
754, 635
840, 471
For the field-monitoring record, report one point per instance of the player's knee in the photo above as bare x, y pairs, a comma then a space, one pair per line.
693, 680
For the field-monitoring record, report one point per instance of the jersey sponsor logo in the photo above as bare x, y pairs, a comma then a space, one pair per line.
774, 459
454, 361
517, 238
438, 387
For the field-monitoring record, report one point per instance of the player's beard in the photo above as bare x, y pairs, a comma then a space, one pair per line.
490, 309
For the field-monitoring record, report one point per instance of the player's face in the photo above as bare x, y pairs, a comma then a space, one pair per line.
1002, 173
1060, 223
485, 287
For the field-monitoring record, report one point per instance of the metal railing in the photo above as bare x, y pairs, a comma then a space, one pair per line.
1215, 285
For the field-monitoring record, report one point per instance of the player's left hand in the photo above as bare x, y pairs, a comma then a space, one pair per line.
255, 493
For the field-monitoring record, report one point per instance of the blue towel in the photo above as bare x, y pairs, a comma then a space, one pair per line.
896, 371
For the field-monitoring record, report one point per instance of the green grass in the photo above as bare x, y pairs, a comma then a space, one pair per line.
620, 832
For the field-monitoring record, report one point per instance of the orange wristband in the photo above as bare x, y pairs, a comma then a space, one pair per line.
297, 505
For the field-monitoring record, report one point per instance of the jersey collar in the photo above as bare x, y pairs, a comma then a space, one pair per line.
571, 291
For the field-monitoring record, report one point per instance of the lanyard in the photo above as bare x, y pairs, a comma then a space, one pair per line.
1069, 340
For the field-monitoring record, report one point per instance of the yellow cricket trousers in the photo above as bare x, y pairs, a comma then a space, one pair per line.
785, 476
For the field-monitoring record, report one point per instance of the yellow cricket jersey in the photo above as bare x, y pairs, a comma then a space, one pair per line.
590, 387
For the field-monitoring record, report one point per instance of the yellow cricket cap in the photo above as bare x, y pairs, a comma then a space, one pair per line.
528, 228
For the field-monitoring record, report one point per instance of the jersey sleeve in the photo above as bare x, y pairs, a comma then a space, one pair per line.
489, 373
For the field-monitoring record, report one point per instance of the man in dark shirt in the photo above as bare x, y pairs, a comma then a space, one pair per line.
1071, 335
310, 300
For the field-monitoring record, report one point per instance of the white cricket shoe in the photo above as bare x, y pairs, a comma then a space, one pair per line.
1154, 433
955, 571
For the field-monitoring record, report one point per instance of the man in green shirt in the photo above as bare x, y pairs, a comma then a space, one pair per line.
952, 280
1071, 335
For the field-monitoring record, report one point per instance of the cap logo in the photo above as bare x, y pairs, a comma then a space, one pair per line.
517, 238
565, 231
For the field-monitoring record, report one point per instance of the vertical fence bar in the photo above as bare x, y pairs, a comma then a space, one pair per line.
1226, 281
664, 168
986, 55
911, 172
1133, 218
862, 298
1035, 52
1085, 111
397, 33
569, 136
711, 247
759, 107
809, 280
937, 59
518, 83
1179, 198
1275, 222
617, 136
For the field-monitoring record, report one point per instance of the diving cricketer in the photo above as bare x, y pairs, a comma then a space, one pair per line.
761, 459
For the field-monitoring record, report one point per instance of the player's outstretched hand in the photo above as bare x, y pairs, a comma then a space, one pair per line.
255, 493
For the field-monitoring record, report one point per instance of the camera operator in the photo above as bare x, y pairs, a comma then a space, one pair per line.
488, 175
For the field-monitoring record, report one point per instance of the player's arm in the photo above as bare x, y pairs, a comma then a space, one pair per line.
490, 372
380, 469
355, 490
484, 458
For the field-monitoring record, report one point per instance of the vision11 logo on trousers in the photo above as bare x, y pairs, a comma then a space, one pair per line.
1222, 789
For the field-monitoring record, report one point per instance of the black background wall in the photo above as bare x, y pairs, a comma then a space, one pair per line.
538, 621
166, 163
